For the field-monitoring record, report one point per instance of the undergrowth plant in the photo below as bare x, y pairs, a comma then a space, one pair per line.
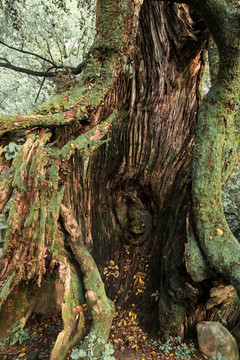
18, 335
174, 345
11, 150
89, 353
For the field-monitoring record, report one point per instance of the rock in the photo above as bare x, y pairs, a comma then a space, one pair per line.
214, 338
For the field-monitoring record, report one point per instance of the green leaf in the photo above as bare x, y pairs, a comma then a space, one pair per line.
74, 354
11, 147
18, 147
82, 353
8, 156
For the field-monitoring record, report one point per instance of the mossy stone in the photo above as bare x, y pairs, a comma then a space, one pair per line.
214, 338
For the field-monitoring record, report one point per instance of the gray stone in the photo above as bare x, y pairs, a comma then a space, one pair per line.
214, 338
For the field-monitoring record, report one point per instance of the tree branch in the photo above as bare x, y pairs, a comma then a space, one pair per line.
8, 65
216, 138
219, 19
28, 52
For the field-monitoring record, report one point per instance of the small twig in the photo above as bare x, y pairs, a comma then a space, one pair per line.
235, 328
40, 89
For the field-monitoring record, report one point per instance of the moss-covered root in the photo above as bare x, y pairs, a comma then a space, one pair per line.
73, 319
100, 307
219, 245
217, 142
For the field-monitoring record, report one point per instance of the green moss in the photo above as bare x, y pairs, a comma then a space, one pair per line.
73, 321
33, 216
178, 312
5, 290
83, 144
53, 175
55, 104
196, 263
42, 221
53, 215
220, 247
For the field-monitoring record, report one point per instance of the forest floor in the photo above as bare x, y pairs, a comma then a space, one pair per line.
129, 341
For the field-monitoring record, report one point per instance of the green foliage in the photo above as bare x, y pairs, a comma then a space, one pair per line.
11, 150
18, 335
174, 345
89, 353
55, 32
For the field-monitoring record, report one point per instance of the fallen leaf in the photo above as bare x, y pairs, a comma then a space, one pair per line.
21, 355
220, 232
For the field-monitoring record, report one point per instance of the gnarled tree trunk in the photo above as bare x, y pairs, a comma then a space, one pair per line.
108, 183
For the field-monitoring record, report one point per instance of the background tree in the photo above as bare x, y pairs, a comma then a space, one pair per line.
37, 39
106, 172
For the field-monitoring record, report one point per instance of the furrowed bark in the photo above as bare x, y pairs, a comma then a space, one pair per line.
136, 187
96, 97
34, 217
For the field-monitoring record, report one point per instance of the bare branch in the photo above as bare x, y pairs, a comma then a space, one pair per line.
40, 89
8, 65
48, 73
28, 52
1, 58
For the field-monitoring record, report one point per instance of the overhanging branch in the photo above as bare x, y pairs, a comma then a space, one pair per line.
8, 65
28, 52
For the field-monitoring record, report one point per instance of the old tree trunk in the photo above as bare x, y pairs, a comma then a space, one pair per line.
106, 178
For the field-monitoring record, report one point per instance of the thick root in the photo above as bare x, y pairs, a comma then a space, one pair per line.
100, 307
73, 319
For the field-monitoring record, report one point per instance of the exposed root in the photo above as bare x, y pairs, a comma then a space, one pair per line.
73, 320
100, 307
